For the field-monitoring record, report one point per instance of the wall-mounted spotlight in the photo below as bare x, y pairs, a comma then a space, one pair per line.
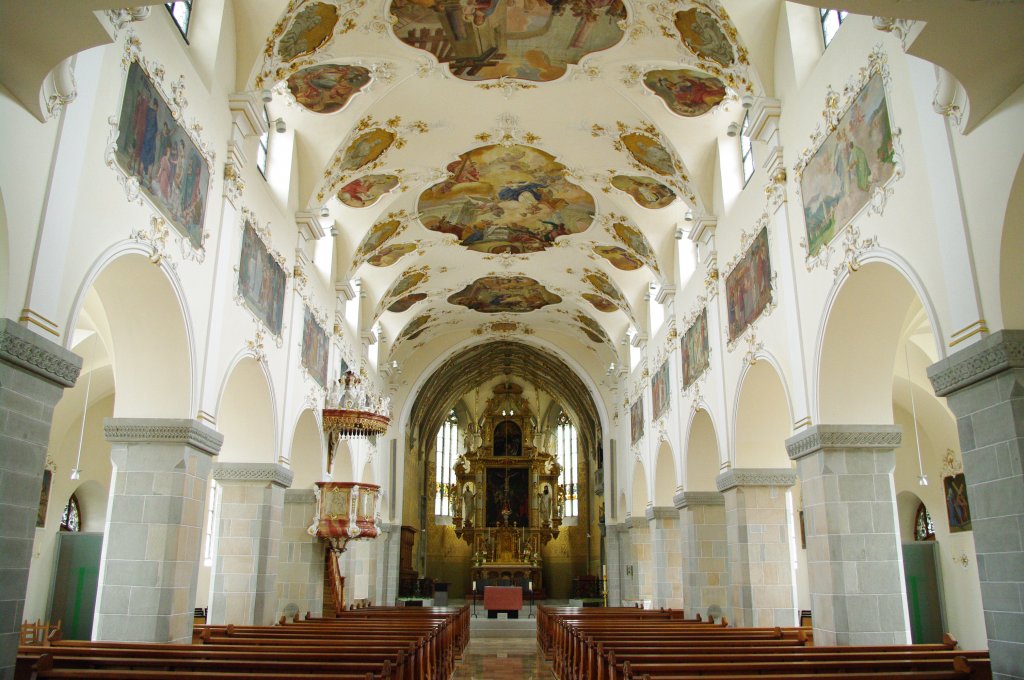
324, 212
747, 101
266, 96
688, 216
279, 126
733, 129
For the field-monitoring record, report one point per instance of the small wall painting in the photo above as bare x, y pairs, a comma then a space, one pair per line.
649, 153
748, 287
619, 257
636, 420
495, 294
532, 40
390, 254
600, 303
314, 347
702, 34
660, 390
958, 509
696, 353
377, 236
648, 193
854, 160
44, 498
686, 93
499, 199
311, 28
364, 191
327, 88
261, 281
153, 148
366, 148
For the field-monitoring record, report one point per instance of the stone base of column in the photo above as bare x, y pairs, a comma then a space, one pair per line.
300, 570
666, 549
705, 552
761, 588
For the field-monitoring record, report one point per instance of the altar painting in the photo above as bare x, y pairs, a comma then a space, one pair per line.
748, 287
696, 353
514, 199
364, 191
958, 509
854, 160
648, 193
636, 420
515, 496
702, 34
660, 390
327, 88
261, 281
489, 39
311, 28
153, 148
686, 93
314, 347
514, 294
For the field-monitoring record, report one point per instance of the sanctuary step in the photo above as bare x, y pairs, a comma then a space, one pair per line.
501, 627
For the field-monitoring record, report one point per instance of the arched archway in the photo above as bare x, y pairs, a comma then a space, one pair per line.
1011, 264
246, 415
702, 457
763, 420
664, 476
638, 498
307, 456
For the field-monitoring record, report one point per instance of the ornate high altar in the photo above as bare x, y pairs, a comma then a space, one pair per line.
507, 503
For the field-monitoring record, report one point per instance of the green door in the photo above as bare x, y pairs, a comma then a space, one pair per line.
924, 591
75, 580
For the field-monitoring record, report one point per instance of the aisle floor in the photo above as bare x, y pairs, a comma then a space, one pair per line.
503, 659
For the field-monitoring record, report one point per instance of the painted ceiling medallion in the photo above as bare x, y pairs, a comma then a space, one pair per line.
404, 303
311, 28
649, 153
388, 255
634, 240
603, 285
366, 148
647, 192
376, 237
506, 199
489, 39
364, 191
415, 328
327, 88
600, 303
702, 34
619, 257
687, 93
591, 328
496, 294
400, 296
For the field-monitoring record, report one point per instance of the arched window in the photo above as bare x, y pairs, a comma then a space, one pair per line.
263, 151
924, 530
181, 12
71, 520
831, 20
567, 450
746, 151
446, 453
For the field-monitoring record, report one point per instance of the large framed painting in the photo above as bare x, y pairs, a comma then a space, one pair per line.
261, 280
842, 177
508, 487
660, 384
636, 420
696, 353
958, 509
748, 287
153, 148
314, 347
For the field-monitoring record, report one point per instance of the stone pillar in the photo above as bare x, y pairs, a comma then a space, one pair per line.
629, 590
854, 559
33, 374
705, 552
387, 542
643, 563
614, 568
249, 526
667, 555
300, 578
153, 538
761, 588
984, 387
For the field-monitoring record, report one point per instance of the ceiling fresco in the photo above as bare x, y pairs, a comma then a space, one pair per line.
506, 199
649, 153
390, 254
400, 297
619, 257
601, 304
634, 240
406, 302
312, 26
591, 328
377, 236
525, 39
327, 88
365, 191
366, 148
702, 34
513, 294
647, 192
687, 93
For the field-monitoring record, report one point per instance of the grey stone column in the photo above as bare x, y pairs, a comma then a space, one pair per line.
33, 374
628, 580
761, 589
300, 577
705, 552
984, 387
854, 560
388, 543
666, 549
643, 563
248, 537
614, 569
153, 539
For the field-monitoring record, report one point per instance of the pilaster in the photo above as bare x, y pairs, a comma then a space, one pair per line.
667, 557
761, 588
984, 387
614, 567
704, 551
153, 538
642, 559
33, 374
300, 577
854, 559
249, 528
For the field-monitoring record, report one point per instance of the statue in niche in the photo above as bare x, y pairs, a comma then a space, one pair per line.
468, 503
544, 506
508, 439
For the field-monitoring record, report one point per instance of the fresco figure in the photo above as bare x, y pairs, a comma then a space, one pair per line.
686, 93
327, 88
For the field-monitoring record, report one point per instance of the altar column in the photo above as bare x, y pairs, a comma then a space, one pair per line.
761, 588
705, 552
667, 556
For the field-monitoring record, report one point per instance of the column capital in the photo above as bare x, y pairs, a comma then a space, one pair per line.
730, 479
829, 437
687, 499
989, 356
253, 472
48, 360
163, 431
661, 512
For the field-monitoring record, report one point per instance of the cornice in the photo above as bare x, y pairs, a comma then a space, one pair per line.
48, 360
253, 472
827, 437
994, 354
688, 499
636, 522
730, 479
163, 431
661, 512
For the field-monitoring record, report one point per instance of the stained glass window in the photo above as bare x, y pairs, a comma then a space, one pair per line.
181, 12
446, 452
71, 520
567, 450
924, 529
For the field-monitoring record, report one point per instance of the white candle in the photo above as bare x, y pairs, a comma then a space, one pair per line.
474, 586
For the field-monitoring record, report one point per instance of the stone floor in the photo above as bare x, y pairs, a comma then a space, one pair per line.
503, 659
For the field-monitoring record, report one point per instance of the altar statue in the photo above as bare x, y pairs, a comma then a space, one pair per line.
468, 502
544, 506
